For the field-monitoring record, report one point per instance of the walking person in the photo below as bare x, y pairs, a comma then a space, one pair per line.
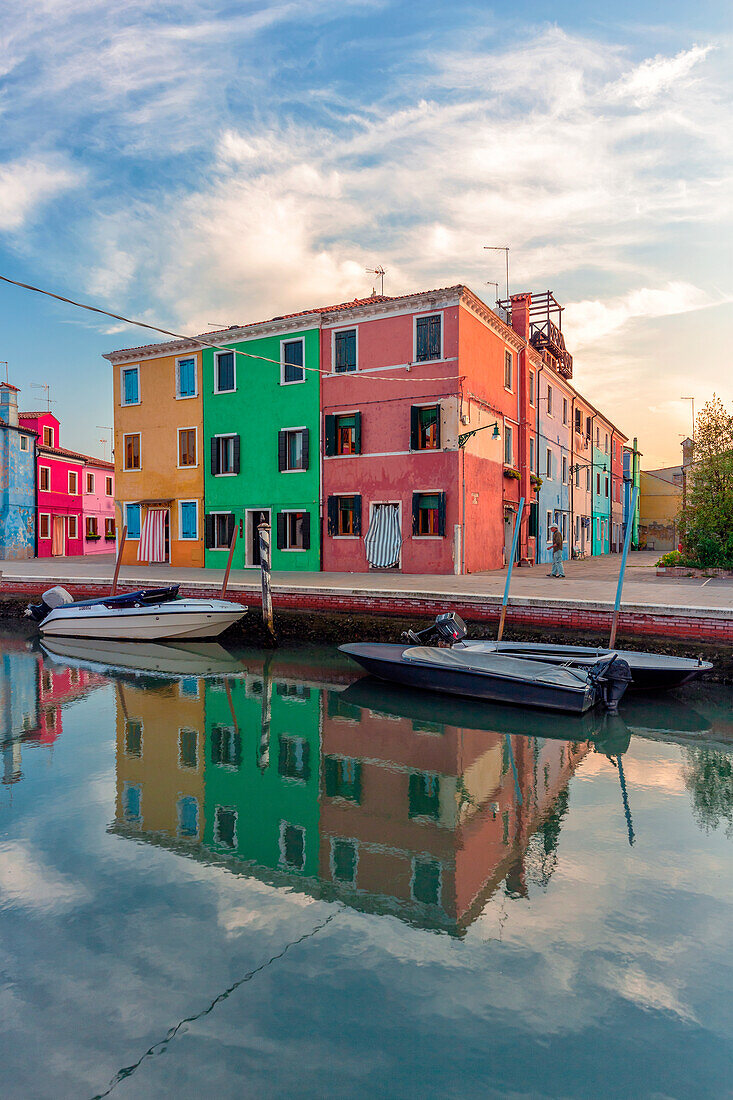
556, 544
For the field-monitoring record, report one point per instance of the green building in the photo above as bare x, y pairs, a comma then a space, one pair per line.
262, 760
261, 444
601, 485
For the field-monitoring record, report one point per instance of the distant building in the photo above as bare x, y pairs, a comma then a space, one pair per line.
17, 480
660, 503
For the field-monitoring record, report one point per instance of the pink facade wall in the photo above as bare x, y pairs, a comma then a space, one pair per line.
60, 504
101, 505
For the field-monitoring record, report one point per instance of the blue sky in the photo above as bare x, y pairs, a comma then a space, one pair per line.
199, 164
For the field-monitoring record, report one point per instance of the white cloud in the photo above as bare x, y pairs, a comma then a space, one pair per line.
589, 322
25, 185
27, 883
657, 75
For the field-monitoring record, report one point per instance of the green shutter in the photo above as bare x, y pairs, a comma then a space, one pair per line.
330, 435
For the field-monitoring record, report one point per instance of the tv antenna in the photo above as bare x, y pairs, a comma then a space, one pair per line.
4, 363
501, 248
104, 442
490, 282
44, 386
380, 273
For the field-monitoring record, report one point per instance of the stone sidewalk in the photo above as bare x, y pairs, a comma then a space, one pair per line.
589, 581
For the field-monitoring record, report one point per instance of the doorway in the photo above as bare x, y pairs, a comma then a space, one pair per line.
255, 516
58, 539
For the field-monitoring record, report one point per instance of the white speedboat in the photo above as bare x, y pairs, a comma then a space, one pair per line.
148, 615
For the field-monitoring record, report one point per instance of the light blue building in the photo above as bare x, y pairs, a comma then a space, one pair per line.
17, 480
553, 465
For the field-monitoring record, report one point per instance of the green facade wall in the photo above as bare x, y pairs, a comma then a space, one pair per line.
256, 411
601, 502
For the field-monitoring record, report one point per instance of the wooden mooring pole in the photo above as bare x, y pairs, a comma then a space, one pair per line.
229, 561
505, 600
622, 571
267, 616
118, 563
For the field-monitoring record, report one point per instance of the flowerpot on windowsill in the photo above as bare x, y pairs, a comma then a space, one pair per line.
512, 474
535, 482
93, 538
110, 538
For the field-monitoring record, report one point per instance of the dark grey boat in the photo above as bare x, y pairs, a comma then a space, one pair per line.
495, 677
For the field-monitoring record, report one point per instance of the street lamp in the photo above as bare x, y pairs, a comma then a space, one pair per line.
692, 401
465, 436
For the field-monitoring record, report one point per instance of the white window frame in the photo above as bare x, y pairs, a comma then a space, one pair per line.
41, 517
41, 489
291, 340
413, 869
249, 514
190, 428
218, 435
344, 328
332, 862
188, 729
228, 809
76, 527
87, 521
48, 428
220, 512
565, 409
549, 524
508, 438
224, 351
549, 400
131, 469
428, 313
181, 536
87, 476
564, 469
532, 454
291, 825
75, 475
24, 442
293, 512
510, 363
189, 396
304, 469
532, 390
548, 463
125, 506
125, 367
109, 485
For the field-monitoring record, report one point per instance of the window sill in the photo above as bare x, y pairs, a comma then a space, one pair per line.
216, 393
292, 549
304, 470
124, 405
194, 466
429, 538
186, 396
347, 538
295, 382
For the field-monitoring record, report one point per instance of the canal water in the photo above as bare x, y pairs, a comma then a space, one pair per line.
244, 874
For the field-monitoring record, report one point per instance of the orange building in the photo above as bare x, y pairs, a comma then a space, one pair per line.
159, 465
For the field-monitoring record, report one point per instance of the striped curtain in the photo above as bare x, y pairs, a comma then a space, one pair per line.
383, 539
151, 547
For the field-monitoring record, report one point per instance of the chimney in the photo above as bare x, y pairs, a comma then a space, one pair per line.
520, 314
9, 404
687, 451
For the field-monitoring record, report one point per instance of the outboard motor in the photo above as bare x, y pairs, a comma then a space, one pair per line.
611, 678
447, 629
50, 600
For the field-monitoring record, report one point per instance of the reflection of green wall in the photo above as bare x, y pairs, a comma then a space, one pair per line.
263, 798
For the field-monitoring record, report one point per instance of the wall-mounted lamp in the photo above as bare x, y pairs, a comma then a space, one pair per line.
464, 438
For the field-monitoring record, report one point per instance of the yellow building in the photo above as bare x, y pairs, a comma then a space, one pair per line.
660, 502
159, 461
160, 758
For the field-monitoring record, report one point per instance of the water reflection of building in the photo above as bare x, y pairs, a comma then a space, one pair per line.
32, 694
296, 787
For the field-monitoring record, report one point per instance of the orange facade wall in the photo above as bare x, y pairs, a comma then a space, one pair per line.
157, 418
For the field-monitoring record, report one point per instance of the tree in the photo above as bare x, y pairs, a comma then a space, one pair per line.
707, 518
709, 779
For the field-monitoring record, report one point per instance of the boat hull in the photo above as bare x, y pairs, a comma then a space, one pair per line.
184, 619
386, 662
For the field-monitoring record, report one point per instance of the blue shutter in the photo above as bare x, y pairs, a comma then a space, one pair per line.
188, 520
132, 518
131, 387
186, 377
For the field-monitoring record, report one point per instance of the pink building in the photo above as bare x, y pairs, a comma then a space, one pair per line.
74, 494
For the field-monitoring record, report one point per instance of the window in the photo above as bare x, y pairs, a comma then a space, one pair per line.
224, 454
73, 529
577, 475
532, 454
133, 737
564, 469
90, 483
226, 747
73, 483
428, 338
548, 466
598, 436
187, 447
587, 479
344, 346
425, 427
225, 827
187, 809
564, 525
292, 358
91, 527
346, 434
132, 520
549, 525
598, 484
606, 484
108, 486
425, 885
508, 370
344, 516
24, 443
588, 426
293, 449
44, 478
130, 386
424, 795
531, 388
606, 446
294, 758
564, 410
131, 449
188, 520
48, 437
44, 526
109, 527
188, 748
186, 377
342, 776
132, 796
343, 861
578, 421
225, 375
189, 687
219, 530
292, 845
613, 448
428, 514
508, 445
293, 530
549, 400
